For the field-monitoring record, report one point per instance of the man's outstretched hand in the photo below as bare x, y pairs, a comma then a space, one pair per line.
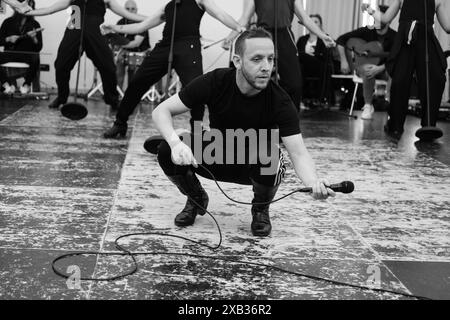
320, 191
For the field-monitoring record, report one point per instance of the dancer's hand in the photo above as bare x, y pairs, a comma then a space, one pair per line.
107, 29
23, 7
226, 44
366, 7
182, 155
329, 42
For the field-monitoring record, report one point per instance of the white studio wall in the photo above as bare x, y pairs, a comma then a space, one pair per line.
338, 16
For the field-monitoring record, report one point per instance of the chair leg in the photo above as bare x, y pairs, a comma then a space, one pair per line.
354, 98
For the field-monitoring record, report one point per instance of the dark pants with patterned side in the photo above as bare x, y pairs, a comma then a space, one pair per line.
412, 58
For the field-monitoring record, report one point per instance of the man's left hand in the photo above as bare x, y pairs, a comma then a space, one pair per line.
320, 191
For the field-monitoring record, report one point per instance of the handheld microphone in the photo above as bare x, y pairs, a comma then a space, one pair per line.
344, 187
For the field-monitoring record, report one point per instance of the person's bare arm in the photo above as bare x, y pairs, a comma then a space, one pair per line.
244, 20
137, 41
388, 16
21, 7
305, 168
345, 67
120, 11
217, 13
136, 28
58, 6
310, 25
443, 15
163, 119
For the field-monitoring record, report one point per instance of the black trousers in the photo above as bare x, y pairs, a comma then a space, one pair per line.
288, 65
242, 174
30, 74
97, 49
412, 58
313, 71
187, 62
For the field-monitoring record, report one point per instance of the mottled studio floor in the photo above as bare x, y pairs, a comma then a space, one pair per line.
63, 189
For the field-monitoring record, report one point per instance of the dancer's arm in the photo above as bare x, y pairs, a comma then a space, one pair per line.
310, 25
136, 28
305, 168
58, 6
120, 11
388, 16
21, 7
244, 20
216, 12
443, 15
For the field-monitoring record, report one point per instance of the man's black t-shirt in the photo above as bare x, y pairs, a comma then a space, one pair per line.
228, 108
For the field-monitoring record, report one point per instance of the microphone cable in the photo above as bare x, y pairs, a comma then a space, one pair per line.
135, 266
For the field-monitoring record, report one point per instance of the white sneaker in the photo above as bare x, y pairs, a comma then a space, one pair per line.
25, 89
9, 89
368, 111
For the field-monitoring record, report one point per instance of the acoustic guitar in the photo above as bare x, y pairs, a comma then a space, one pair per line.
360, 52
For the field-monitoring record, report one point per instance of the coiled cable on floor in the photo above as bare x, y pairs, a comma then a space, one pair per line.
125, 252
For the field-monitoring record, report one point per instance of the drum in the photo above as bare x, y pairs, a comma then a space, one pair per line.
15, 69
135, 59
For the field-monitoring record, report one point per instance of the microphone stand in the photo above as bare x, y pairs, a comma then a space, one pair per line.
428, 133
172, 41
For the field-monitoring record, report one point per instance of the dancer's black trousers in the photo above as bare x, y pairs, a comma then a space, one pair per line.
187, 62
412, 58
97, 50
288, 65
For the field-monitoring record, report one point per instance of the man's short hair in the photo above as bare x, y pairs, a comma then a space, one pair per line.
239, 47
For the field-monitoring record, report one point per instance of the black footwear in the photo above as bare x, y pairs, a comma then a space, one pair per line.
119, 129
261, 226
151, 145
114, 105
190, 186
429, 134
55, 104
396, 134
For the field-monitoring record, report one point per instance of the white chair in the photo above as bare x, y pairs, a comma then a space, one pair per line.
357, 81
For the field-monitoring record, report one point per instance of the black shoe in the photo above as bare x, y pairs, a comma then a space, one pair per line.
261, 226
190, 186
151, 145
55, 104
114, 105
119, 129
396, 134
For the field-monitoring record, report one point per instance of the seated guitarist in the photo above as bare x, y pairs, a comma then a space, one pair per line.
20, 34
368, 72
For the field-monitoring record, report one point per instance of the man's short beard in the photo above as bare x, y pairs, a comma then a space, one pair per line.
250, 82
